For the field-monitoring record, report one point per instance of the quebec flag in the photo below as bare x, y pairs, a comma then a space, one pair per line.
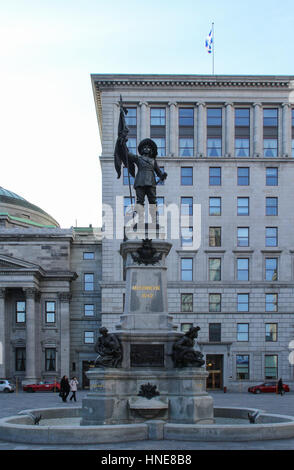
208, 42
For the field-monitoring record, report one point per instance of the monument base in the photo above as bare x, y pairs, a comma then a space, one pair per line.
114, 396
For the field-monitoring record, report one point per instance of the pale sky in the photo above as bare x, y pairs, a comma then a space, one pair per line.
49, 138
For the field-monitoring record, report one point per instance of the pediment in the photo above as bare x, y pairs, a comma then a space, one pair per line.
11, 263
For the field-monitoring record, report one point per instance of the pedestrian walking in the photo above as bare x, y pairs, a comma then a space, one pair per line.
280, 387
73, 388
64, 388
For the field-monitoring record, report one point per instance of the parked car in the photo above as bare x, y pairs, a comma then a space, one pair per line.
42, 387
6, 386
267, 387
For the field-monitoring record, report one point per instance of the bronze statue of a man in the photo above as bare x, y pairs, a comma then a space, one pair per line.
145, 183
147, 167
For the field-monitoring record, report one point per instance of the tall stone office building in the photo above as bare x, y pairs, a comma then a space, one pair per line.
50, 298
226, 143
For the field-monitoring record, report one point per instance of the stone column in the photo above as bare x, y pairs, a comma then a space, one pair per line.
144, 131
173, 130
229, 131
31, 335
257, 131
201, 134
286, 130
64, 298
2, 333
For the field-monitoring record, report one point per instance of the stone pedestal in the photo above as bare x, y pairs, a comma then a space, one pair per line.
147, 335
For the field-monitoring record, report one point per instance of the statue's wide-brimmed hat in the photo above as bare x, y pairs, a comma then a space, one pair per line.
151, 144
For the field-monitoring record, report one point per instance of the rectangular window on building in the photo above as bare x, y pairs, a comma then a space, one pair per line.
214, 332
242, 367
21, 311
20, 359
242, 269
186, 206
243, 206
271, 366
242, 132
89, 337
271, 302
186, 236
271, 269
243, 236
88, 282
243, 302
186, 132
271, 236
215, 176
215, 303
50, 359
214, 132
271, 207
50, 312
271, 176
215, 238
270, 132
243, 176
214, 206
158, 129
214, 269
271, 332
88, 255
125, 177
89, 310
186, 176
186, 303
242, 332
131, 122
187, 269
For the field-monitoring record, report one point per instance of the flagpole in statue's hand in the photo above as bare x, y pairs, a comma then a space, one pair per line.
124, 139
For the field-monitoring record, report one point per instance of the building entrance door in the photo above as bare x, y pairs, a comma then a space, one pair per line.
214, 365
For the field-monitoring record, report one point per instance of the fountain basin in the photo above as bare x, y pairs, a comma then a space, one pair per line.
66, 430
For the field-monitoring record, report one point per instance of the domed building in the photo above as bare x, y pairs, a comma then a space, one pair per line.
17, 211
50, 300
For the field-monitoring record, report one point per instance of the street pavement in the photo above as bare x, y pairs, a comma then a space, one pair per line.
11, 404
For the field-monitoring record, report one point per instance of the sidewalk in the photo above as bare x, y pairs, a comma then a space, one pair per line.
11, 404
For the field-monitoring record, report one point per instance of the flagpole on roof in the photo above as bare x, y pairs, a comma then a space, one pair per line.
212, 28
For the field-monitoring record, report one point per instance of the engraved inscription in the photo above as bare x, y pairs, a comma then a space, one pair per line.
147, 355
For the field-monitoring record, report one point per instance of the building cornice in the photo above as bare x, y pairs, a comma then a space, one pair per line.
195, 81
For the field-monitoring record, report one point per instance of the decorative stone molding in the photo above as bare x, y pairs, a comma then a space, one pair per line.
31, 293
196, 82
64, 296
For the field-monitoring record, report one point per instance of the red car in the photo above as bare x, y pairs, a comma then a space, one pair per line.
42, 387
267, 387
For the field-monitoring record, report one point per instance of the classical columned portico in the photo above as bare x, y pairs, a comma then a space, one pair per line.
2, 333
31, 335
64, 298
